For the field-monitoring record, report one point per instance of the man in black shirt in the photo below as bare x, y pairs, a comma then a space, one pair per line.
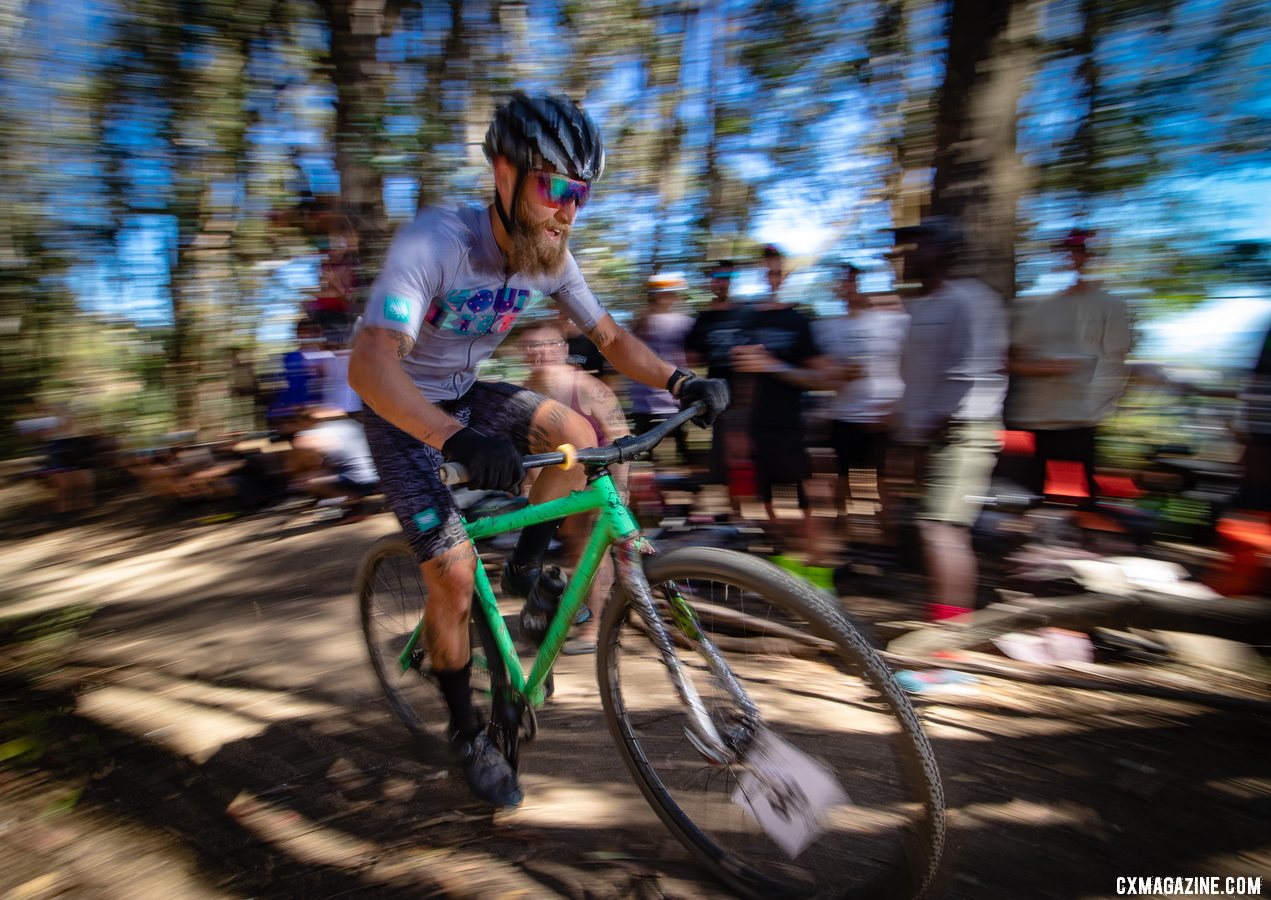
780, 350
716, 330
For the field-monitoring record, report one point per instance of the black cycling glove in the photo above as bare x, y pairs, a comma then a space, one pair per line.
714, 391
493, 463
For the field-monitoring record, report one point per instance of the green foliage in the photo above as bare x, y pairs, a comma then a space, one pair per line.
715, 115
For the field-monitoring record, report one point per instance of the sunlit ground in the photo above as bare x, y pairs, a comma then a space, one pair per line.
225, 681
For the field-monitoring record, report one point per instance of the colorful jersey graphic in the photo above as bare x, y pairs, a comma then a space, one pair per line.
481, 311
444, 285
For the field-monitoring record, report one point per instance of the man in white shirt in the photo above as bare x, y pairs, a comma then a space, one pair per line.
866, 343
1068, 367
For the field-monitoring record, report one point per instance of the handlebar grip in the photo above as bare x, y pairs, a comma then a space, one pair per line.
453, 473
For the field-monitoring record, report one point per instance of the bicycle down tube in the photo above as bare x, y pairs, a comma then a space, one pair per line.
615, 524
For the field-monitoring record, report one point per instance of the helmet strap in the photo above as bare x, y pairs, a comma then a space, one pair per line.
509, 221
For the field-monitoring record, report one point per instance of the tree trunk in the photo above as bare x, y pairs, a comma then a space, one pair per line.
359, 78
667, 167
978, 175
1088, 75
448, 67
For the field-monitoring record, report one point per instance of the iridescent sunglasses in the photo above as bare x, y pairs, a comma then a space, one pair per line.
555, 190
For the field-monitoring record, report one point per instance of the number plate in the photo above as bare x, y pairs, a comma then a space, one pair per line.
786, 792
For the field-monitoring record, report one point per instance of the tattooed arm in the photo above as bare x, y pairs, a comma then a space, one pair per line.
597, 400
630, 355
375, 372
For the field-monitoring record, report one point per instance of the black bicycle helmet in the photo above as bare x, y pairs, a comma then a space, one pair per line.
549, 127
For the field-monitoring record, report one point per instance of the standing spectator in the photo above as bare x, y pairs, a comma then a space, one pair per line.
946, 422
339, 279
716, 330
1255, 431
663, 328
1068, 368
866, 344
780, 350
334, 371
70, 454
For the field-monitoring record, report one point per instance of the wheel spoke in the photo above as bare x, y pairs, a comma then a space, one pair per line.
863, 735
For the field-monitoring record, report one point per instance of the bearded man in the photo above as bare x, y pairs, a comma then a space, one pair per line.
454, 283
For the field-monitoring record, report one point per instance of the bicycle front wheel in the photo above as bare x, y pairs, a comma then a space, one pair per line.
819, 689
392, 599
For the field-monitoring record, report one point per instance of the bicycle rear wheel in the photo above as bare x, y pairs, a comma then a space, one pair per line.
392, 599
818, 686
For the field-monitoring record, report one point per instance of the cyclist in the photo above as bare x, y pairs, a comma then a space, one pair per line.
454, 282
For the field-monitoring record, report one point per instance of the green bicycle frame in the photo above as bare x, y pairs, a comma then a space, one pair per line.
614, 524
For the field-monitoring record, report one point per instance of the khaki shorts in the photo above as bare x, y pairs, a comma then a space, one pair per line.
955, 478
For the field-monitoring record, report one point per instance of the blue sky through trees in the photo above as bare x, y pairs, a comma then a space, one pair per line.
823, 197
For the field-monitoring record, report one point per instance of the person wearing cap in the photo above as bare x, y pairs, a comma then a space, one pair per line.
945, 425
716, 330
1068, 368
454, 283
662, 327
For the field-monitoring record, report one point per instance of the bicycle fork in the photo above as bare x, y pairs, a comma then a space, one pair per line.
718, 749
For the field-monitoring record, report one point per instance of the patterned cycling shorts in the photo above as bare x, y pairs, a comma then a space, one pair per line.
408, 467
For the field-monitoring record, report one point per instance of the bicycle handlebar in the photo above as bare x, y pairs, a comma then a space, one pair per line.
624, 449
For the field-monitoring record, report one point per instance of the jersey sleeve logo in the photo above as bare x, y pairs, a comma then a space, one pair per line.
396, 309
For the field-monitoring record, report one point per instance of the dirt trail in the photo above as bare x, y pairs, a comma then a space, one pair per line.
217, 732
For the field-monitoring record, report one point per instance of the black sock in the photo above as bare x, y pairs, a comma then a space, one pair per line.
532, 545
456, 688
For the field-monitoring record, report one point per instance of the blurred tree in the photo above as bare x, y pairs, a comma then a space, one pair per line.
978, 175
224, 134
46, 219
667, 72
361, 83
441, 98
182, 70
1148, 98
784, 87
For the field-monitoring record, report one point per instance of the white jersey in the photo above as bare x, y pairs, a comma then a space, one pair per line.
445, 284
874, 340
